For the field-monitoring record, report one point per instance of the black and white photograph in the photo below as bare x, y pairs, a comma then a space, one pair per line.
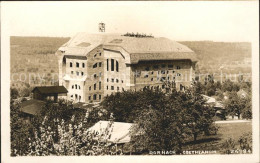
147, 81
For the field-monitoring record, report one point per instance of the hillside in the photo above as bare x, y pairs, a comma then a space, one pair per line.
34, 57
230, 57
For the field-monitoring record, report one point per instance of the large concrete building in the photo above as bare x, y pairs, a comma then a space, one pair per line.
92, 66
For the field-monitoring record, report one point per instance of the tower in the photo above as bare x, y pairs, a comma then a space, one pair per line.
101, 27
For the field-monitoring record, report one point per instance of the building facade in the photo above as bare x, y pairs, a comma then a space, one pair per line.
92, 66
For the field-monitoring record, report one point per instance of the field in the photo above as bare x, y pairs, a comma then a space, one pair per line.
226, 131
33, 60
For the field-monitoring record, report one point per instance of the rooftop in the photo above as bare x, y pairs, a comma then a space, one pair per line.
145, 47
32, 107
51, 89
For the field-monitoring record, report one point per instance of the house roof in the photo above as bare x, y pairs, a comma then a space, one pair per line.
139, 48
51, 89
120, 131
32, 107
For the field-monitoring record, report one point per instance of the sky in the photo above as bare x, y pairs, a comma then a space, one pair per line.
181, 21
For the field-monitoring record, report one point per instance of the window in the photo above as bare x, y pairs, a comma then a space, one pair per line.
71, 72
71, 96
107, 65
163, 86
173, 78
76, 87
100, 64
107, 87
79, 87
89, 88
178, 74
112, 80
72, 86
122, 81
117, 88
168, 78
95, 85
76, 96
95, 65
95, 55
100, 95
107, 80
170, 66
77, 73
95, 76
117, 66
151, 79
100, 74
83, 65
112, 87
163, 66
163, 71
100, 54
146, 76
79, 98
99, 85
147, 68
82, 73
77, 64
112, 64
173, 71
70, 64
94, 97
123, 89
117, 80
152, 72
89, 97
155, 66
178, 67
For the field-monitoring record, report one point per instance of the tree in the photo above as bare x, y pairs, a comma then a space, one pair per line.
234, 104
20, 131
14, 93
199, 116
247, 110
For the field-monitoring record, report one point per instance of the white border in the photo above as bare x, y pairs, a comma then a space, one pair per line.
5, 118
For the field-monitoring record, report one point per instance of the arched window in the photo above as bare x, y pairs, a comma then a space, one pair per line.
72, 86
77, 64
79, 98
112, 64
83, 65
79, 87
76, 87
117, 66
71, 64
107, 64
95, 86
76, 96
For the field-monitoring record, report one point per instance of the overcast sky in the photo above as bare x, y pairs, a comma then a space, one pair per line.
217, 21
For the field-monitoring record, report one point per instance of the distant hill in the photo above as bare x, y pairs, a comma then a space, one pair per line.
229, 56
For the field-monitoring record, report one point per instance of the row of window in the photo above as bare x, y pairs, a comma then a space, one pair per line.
75, 86
113, 80
99, 64
163, 87
77, 97
78, 73
113, 88
113, 62
77, 64
95, 86
95, 55
170, 66
94, 97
